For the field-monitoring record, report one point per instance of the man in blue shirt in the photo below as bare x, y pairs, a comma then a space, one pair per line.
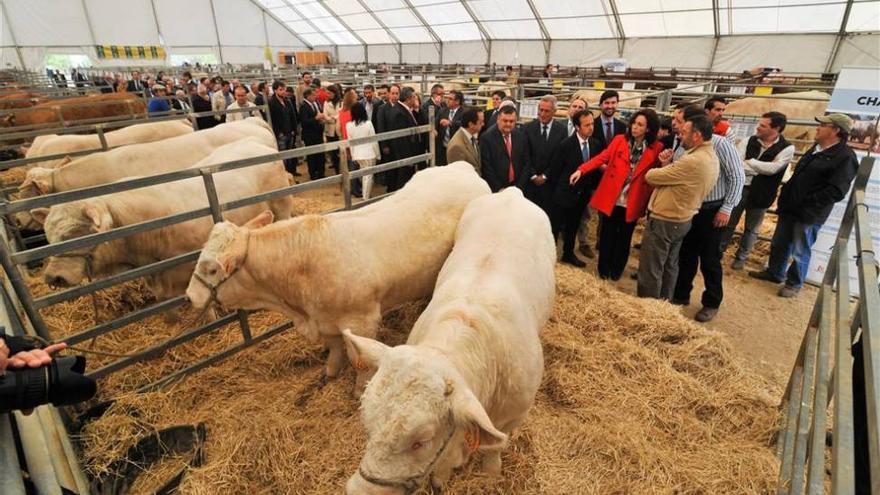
158, 105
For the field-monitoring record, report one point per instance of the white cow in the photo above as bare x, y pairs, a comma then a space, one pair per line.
138, 160
54, 144
468, 374
341, 270
99, 214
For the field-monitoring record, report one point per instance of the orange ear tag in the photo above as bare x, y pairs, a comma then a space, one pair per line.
472, 440
360, 365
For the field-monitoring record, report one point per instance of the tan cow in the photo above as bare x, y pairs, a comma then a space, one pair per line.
342, 270
628, 99
469, 372
805, 105
54, 144
138, 160
103, 213
95, 106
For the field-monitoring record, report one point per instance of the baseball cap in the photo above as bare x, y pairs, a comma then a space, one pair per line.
840, 120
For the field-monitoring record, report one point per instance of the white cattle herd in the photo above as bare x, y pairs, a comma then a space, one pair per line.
467, 376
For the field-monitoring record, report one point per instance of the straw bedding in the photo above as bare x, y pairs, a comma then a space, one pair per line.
635, 399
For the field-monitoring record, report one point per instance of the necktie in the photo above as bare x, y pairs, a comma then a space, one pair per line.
570, 128
315, 106
510, 173
544, 133
474, 141
585, 151
608, 134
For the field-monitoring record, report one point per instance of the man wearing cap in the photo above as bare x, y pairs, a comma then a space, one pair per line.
821, 178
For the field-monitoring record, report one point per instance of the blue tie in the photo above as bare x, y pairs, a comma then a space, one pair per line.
585, 151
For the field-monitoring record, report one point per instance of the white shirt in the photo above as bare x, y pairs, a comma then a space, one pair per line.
753, 166
367, 151
232, 117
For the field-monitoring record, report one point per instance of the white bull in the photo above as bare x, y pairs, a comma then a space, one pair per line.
103, 213
138, 160
468, 374
54, 144
342, 270
805, 105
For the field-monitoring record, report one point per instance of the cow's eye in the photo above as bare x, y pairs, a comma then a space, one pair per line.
417, 445
212, 271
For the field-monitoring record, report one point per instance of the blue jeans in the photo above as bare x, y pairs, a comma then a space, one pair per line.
792, 241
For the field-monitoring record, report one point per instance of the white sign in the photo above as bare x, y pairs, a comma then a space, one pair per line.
628, 86
416, 78
737, 90
373, 71
528, 109
614, 64
431, 78
857, 94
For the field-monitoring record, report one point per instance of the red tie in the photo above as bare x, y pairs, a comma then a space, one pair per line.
510, 174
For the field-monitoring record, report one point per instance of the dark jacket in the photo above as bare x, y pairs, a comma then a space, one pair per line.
565, 160
455, 124
490, 117
401, 117
763, 189
540, 153
284, 117
383, 122
312, 130
202, 105
131, 88
819, 180
495, 164
599, 131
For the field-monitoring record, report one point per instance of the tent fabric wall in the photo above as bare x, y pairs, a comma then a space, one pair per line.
280, 37
379, 54
239, 23
691, 53
464, 52
791, 53
421, 53
588, 53
48, 23
186, 23
122, 23
858, 51
349, 54
518, 52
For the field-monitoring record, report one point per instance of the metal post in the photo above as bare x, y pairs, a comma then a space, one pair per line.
22, 292
796, 479
346, 176
217, 32
211, 191
432, 143
102, 137
842, 459
816, 468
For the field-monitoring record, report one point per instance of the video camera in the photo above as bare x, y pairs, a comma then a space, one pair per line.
61, 382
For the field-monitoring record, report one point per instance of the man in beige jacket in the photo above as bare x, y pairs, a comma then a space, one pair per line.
465, 143
679, 191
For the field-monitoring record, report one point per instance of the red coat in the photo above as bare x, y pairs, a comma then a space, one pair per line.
616, 159
721, 128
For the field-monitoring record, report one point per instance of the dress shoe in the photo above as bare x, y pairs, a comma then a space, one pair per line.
788, 292
297, 174
680, 302
573, 260
587, 251
705, 314
764, 275
738, 264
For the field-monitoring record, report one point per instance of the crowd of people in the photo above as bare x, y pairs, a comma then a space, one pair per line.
682, 173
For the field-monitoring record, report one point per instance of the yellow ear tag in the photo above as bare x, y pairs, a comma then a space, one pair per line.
360, 365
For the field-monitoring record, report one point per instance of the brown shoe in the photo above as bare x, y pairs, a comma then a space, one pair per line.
587, 251
705, 314
788, 292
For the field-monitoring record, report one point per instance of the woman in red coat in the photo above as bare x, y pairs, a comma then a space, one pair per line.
622, 195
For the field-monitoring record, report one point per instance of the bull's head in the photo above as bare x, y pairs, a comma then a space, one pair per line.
221, 257
419, 415
69, 221
37, 182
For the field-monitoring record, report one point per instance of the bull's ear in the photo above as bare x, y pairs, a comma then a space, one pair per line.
261, 220
40, 215
100, 216
364, 353
480, 433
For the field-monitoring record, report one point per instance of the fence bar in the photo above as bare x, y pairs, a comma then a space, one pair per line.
870, 295
22, 292
785, 441
215, 358
104, 283
816, 461
842, 458
159, 349
244, 325
796, 482
211, 191
346, 177
128, 319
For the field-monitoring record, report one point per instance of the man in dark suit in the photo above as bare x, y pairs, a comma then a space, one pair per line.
570, 201
608, 125
403, 116
543, 136
504, 154
371, 103
383, 123
284, 122
491, 116
135, 85
447, 123
312, 121
435, 100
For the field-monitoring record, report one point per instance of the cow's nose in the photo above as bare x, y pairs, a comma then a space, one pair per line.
56, 281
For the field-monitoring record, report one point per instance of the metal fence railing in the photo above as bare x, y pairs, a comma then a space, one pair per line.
824, 367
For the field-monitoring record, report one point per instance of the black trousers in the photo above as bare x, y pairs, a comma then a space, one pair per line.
316, 161
701, 247
566, 219
615, 239
334, 154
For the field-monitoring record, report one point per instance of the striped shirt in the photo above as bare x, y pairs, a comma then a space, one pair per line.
732, 177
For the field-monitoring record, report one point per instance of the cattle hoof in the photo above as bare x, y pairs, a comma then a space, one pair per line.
492, 463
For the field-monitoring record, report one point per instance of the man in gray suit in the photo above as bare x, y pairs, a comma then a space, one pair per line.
465, 144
